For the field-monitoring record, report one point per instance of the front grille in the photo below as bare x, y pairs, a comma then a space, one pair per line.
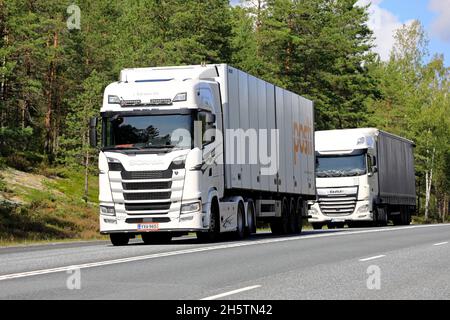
147, 196
140, 175
162, 206
146, 185
344, 205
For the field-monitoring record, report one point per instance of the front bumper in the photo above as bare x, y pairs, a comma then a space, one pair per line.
189, 222
316, 215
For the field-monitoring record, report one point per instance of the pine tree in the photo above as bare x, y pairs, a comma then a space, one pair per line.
318, 49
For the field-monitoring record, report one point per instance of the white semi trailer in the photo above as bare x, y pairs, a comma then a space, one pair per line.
363, 176
205, 149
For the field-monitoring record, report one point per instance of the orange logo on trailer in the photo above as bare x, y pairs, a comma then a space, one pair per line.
303, 140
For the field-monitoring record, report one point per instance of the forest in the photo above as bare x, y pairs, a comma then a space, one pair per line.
56, 57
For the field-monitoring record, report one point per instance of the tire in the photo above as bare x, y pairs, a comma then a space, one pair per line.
156, 237
251, 219
405, 217
214, 226
300, 212
240, 232
294, 219
381, 218
119, 239
316, 226
281, 225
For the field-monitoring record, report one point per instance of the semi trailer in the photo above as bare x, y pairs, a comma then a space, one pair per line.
364, 177
207, 149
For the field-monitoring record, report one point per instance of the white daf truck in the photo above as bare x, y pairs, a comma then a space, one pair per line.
363, 177
205, 149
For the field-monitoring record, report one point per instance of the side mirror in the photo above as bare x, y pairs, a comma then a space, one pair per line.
210, 118
374, 169
93, 132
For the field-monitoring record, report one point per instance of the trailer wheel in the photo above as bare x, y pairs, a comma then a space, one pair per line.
240, 223
119, 239
293, 218
251, 220
156, 237
405, 217
281, 225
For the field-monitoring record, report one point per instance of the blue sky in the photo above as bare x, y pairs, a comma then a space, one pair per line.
388, 15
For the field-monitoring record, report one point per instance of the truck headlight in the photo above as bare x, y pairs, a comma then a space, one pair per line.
180, 97
191, 207
179, 162
363, 209
113, 99
109, 211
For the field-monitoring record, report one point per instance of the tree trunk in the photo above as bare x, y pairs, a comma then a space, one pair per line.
3, 112
86, 175
428, 184
49, 114
428, 180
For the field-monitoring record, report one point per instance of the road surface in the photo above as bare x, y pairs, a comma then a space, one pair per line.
411, 262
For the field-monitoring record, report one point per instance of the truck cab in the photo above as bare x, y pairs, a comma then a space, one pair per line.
157, 124
346, 177
364, 177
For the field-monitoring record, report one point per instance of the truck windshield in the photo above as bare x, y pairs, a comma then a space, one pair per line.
341, 166
148, 132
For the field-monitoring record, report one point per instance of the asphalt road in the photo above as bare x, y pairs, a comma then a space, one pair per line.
379, 263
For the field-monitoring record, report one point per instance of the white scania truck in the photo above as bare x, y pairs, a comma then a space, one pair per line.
206, 149
363, 177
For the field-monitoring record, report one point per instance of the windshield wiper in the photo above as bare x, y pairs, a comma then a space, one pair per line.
120, 148
161, 146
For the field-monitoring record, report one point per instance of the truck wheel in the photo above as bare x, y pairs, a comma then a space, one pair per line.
300, 212
240, 223
316, 226
119, 239
156, 237
293, 219
214, 226
251, 222
405, 218
281, 225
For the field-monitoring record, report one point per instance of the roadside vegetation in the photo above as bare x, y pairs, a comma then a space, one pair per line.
36, 207
52, 78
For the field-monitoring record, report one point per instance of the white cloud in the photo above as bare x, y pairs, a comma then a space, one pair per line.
441, 26
383, 24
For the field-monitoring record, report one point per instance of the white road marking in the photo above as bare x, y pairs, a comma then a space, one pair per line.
440, 243
372, 258
229, 293
209, 248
